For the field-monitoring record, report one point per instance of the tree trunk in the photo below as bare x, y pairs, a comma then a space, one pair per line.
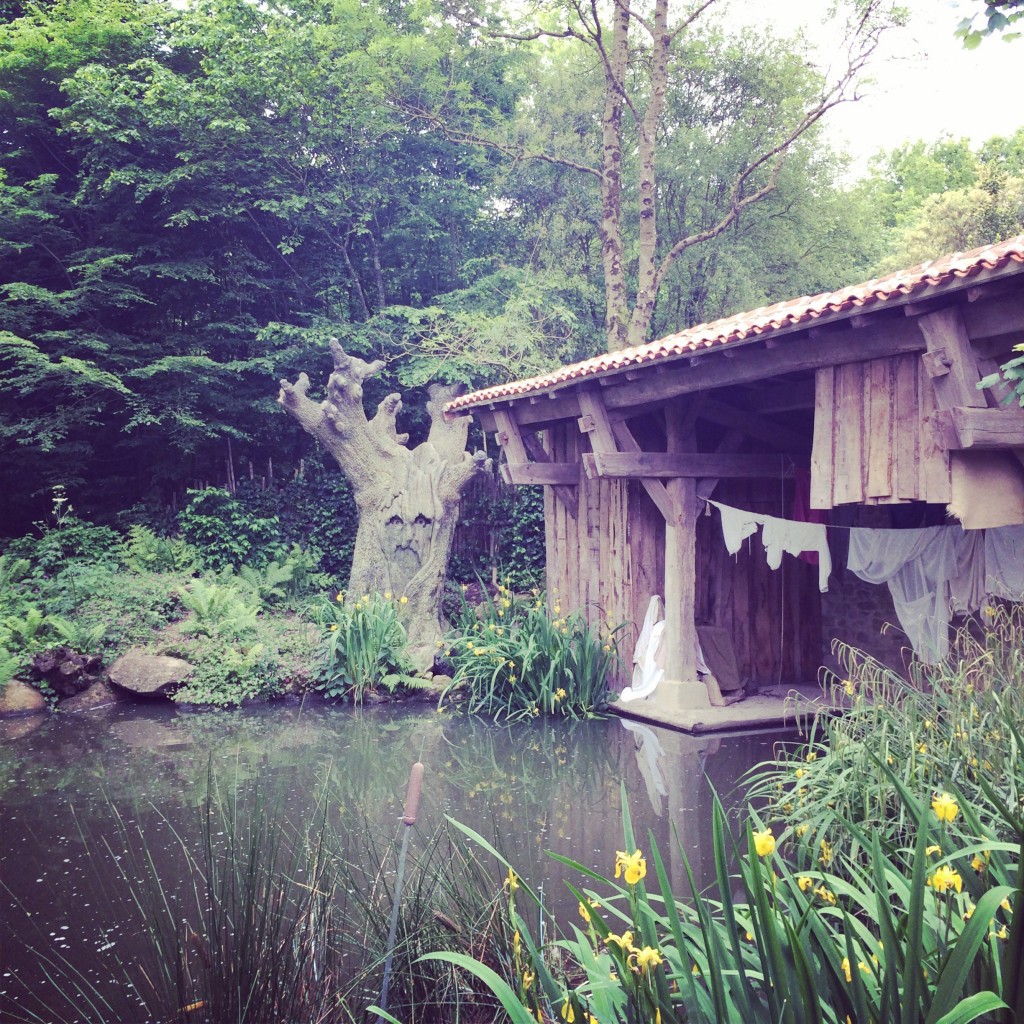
408, 500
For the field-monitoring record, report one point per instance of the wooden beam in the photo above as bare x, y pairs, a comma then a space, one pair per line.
680, 563
669, 465
822, 449
759, 427
670, 378
511, 439
508, 437
758, 364
604, 436
789, 397
988, 428
996, 318
551, 474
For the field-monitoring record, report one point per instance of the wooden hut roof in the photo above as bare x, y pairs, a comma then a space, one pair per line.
916, 284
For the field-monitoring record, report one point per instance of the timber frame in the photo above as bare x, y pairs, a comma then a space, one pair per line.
872, 390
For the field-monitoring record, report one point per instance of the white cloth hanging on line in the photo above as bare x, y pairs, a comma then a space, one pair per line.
937, 571
918, 566
777, 536
932, 572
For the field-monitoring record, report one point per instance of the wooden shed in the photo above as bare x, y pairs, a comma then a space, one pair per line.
868, 394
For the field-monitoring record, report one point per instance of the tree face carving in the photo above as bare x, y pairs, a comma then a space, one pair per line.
408, 500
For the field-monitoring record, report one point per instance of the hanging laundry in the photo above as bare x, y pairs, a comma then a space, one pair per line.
777, 536
918, 566
802, 511
780, 535
737, 525
1004, 562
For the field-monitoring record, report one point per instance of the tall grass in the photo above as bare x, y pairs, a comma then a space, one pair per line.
273, 922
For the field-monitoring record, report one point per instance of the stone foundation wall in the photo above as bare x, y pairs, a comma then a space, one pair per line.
861, 615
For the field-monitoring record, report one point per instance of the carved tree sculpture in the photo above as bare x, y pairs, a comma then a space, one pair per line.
408, 500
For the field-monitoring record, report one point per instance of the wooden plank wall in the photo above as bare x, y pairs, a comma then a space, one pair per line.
872, 442
610, 560
774, 617
591, 565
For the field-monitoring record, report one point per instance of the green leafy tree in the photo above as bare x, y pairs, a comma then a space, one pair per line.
642, 64
191, 200
995, 16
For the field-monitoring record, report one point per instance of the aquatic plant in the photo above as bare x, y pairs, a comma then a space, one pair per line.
273, 923
251, 938
514, 658
904, 938
362, 646
955, 726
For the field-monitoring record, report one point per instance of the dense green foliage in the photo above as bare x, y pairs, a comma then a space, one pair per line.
935, 198
194, 197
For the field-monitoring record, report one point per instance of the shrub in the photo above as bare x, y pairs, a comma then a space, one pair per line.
515, 659
223, 533
501, 535
64, 538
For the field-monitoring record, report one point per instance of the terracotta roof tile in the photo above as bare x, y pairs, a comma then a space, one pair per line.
766, 320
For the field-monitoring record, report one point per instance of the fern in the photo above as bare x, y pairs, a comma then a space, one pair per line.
219, 610
84, 639
145, 551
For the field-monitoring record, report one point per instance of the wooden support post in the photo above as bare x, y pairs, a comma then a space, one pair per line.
680, 563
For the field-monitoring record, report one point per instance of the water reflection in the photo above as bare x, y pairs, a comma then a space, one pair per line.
535, 787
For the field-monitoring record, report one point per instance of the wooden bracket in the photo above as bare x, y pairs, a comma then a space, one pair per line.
518, 469
948, 344
606, 437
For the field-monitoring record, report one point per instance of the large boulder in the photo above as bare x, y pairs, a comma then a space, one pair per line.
18, 698
149, 675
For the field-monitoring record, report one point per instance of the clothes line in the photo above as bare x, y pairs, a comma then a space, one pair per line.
932, 572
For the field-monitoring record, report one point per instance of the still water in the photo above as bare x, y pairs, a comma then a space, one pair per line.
75, 789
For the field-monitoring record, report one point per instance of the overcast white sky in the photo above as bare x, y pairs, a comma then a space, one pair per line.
926, 85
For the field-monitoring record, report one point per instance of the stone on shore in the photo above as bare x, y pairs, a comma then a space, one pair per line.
149, 675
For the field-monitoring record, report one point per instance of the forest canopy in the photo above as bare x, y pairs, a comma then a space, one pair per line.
194, 197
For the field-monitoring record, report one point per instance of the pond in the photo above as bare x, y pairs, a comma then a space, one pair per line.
77, 789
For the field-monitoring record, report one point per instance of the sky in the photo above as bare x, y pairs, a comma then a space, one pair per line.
926, 84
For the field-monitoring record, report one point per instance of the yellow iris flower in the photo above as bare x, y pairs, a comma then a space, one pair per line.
630, 865
945, 807
946, 878
623, 941
764, 843
646, 958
